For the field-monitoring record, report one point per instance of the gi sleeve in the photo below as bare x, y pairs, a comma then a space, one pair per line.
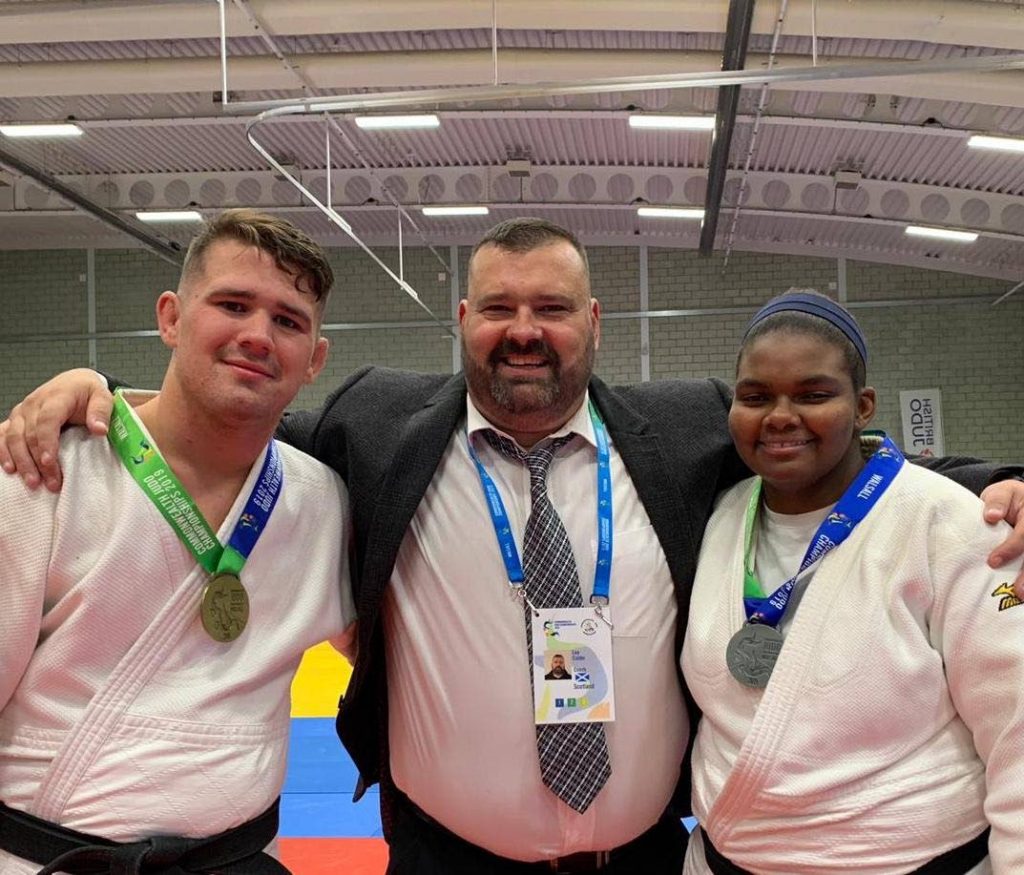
977, 625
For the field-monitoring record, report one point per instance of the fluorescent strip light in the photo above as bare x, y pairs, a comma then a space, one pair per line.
61, 130
393, 122
1005, 144
941, 234
673, 122
670, 213
170, 216
455, 211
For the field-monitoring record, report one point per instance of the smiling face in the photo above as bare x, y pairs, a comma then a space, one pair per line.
796, 419
529, 333
245, 339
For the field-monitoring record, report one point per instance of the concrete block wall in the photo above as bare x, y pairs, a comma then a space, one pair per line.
128, 282
615, 272
969, 350
681, 279
42, 295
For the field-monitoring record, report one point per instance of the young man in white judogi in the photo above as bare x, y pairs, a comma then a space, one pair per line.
146, 671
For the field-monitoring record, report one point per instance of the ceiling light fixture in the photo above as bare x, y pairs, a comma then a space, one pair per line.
941, 234
1004, 144
396, 122
670, 212
41, 131
455, 211
847, 180
170, 216
673, 122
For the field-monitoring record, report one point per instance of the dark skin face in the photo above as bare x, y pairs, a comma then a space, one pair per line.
796, 419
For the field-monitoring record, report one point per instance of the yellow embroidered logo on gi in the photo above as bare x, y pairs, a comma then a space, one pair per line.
1009, 598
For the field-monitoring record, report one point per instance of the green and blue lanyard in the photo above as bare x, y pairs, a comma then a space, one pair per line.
854, 505
154, 476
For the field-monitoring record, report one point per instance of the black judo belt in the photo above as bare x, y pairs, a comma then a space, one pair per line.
954, 862
237, 851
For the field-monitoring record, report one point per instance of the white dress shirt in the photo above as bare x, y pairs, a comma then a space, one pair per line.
463, 742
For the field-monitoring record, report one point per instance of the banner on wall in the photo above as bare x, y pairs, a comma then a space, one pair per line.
921, 411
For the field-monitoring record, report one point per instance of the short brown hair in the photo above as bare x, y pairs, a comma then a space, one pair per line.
293, 251
526, 234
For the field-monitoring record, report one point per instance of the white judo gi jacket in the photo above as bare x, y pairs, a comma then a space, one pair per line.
892, 729
119, 715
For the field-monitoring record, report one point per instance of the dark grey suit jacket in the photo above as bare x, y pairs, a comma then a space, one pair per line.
385, 431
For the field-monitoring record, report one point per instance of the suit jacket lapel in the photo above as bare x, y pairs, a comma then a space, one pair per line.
419, 450
641, 453
425, 437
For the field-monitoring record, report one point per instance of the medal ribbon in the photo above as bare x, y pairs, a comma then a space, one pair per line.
503, 531
155, 478
853, 506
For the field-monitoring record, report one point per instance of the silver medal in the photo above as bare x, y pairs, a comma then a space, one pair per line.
752, 654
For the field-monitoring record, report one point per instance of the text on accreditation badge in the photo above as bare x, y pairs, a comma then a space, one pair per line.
573, 680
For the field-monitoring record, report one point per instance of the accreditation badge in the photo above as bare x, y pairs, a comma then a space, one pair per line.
573, 680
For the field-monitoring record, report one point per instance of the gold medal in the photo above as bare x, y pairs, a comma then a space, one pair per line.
225, 607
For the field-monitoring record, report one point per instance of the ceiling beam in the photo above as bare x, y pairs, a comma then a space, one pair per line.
17, 233
778, 119
575, 207
949, 22
769, 194
171, 252
734, 56
449, 69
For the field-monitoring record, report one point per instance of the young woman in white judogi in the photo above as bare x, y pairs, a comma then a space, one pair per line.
890, 731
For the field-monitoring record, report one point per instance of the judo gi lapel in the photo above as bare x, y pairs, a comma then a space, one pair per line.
101, 716
145, 658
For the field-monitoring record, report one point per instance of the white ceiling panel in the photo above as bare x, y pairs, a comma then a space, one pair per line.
154, 146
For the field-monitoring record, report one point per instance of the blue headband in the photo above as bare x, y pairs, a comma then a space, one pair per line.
815, 305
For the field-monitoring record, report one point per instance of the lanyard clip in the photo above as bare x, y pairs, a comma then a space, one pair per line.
520, 593
598, 604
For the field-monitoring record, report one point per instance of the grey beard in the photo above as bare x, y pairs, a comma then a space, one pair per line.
543, 395
484, 380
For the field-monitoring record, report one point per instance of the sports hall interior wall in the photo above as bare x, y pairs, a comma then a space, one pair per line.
921, 332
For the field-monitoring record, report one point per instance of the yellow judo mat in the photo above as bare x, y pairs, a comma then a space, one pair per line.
322, 677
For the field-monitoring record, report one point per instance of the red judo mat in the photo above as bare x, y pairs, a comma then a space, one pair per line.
332, 856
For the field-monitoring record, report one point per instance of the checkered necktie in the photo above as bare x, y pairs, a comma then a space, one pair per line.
573, 756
